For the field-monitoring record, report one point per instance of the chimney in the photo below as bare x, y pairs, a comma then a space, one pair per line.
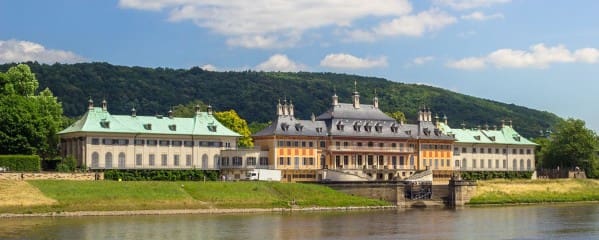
197, 109
104, 105
445, 119
133, 112
375, 100
279, 108
170, 113
356, 96
313, 118
290, 108
285, 107
209, 110
90, 104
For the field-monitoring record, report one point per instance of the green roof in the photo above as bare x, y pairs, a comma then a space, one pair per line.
505, 135
101, 121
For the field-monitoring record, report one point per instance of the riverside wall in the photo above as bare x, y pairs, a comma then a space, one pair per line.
87, 176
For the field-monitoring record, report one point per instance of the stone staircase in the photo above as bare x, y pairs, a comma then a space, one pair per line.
336, 175
423, 176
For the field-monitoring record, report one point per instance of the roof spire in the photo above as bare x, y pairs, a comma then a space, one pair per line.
90, 103
104, 105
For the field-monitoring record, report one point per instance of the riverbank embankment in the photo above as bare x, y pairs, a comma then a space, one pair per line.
53, 196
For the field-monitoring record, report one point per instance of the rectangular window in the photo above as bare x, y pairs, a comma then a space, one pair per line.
303, 144
473, 150
164, 160
310, 144
288, 144
489, 151
490, 163
139, 142
95, 141
296, 144
482, 150
188, 160
151, 142
528, 151
107, 141
138, 158
514, 151
237, 161
289, 161
151, 160
188, 143
177, 143
164, 142
464, 150
496, 163
280, 144
456, 151
504, 163
345, 160
359, 160
496, 150
176, 159
370, 160
251, 161
264, 161
401, 160
504, 151
345, 144
123, 142
305, 161
473, 163
521, 151
323, 144
281, 161
482, 163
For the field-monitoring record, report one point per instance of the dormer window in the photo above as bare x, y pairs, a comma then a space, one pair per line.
477, 137
492, 138
212, 127
378, 128
148, 126
409, 132
517, 138
318, 129
105, 124
298, 127
172, 127
340, 126
284, 126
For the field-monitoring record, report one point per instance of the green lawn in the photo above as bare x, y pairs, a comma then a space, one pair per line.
112, 195
536, 191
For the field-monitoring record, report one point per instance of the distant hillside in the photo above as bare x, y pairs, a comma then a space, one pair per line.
254, 94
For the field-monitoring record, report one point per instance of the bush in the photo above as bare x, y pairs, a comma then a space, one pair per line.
161, 175
487, 175
21, 163
68, 164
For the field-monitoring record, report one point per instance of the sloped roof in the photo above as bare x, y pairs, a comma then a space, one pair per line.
505, 135
347, 111
100, 121
291, 126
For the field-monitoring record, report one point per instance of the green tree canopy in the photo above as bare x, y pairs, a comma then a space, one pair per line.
188, 110
572, 145
398, 116
28, 122
232, 121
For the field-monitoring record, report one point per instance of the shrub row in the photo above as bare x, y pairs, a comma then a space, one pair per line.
20, 163
485, 175
161, 175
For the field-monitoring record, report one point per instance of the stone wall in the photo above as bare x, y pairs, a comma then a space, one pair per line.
90, 176
389, 192
460, 192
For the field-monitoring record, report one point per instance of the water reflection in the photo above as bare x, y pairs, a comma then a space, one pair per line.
522, 222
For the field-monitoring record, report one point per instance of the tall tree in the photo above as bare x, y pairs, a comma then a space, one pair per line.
28, 122
573, 145
232, 121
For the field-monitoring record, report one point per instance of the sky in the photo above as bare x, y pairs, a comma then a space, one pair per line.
535, 53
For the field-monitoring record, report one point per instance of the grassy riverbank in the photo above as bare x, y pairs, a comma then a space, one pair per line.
60, 196
535, 191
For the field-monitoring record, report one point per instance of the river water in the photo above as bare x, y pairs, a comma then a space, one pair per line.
561, 221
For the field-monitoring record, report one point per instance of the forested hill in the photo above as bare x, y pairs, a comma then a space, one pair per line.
254, 94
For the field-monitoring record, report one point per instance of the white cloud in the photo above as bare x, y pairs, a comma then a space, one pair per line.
264, 23
280, 63
209, 67
422, 60
416, 25
23, 51
342, 60
480, 16
470, 4
467, 63
539, 56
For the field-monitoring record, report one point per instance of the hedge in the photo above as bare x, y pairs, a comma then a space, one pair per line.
20, 163
161, 175
487, 175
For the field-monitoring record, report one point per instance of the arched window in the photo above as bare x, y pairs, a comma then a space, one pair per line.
464, 164
122, 160
95, 160
216, 161
205, 161
528, 164
108, 160
521, 164
457, 163
515, 164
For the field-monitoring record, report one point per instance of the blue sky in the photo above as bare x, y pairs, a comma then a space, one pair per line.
535, 53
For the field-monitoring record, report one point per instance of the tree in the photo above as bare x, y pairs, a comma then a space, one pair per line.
232, 121
573, 145
398, 116
257, 126
28, 122
188, 110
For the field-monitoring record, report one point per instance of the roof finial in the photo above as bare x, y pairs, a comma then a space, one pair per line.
355, 85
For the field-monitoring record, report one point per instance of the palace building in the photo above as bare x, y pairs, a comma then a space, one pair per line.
100, 140
353, 142
486, 149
